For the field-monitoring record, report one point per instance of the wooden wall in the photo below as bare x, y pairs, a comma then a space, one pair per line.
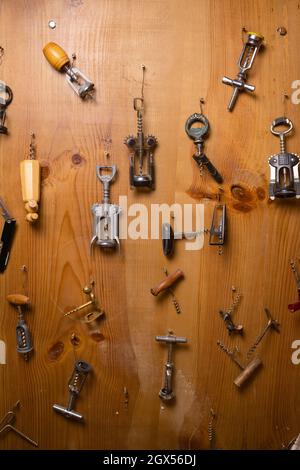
187, 46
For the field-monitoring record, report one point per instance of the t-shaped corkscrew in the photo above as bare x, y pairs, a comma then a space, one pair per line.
76, 382
250, 49
166, 393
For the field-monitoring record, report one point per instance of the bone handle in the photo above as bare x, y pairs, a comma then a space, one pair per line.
167, 282
249, 370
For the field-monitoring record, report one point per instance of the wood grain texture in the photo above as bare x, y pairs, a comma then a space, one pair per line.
187, 46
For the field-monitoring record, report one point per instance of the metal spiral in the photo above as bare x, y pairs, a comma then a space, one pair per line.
210, 428
140, 122
249, 53
32, 148
253, 347
176, 305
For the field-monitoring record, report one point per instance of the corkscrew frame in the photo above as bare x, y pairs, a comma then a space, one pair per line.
4, 103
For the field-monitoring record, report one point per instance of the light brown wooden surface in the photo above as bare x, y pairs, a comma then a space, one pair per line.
187, 46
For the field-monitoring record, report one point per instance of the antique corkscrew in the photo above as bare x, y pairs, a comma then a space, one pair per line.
226, 314
166, 285
6, 97
30, 171
106, 214
24, 342
295, 306
248, 370
166, 393
95, 314
76, 382
58, 58
271, 324
141, 147
6, 425
245, 62
198, 134
284, 166
7, 236
216, 232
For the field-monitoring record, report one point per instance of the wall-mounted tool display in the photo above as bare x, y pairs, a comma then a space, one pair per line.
271, 324
59, 59
106, 214
166, 393
76, 382
295, 306
216, 232
6, 425
6, 97
141, 147
7, 235
96, 313
198, 134
245, 62
30, 171
284, 166
248, 370
226, 314
24, 342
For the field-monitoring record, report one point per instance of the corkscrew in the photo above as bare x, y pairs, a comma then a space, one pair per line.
166, 393
211, 429
6, 97
284, 166
216, 232
248, 370
294, 307
272, 324
226, 314
141, 160
30, 171
59, 60
90, 318
6, 425
75, 385
250, 49
106, 214
7, 236
24, 343
166, 284
198, 134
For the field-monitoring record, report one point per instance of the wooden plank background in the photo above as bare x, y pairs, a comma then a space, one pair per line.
187, 46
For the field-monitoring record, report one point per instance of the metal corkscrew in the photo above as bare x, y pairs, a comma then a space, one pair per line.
106, 214
284, 166
198, 134
166, 393
250, 49
24, 343
141, 169
271, 324
226, 314
76, 382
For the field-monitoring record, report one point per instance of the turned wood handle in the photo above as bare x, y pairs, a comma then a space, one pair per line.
55, 55
249, 370
167, 282
17, 299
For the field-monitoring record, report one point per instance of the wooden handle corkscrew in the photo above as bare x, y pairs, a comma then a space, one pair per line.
167, 282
